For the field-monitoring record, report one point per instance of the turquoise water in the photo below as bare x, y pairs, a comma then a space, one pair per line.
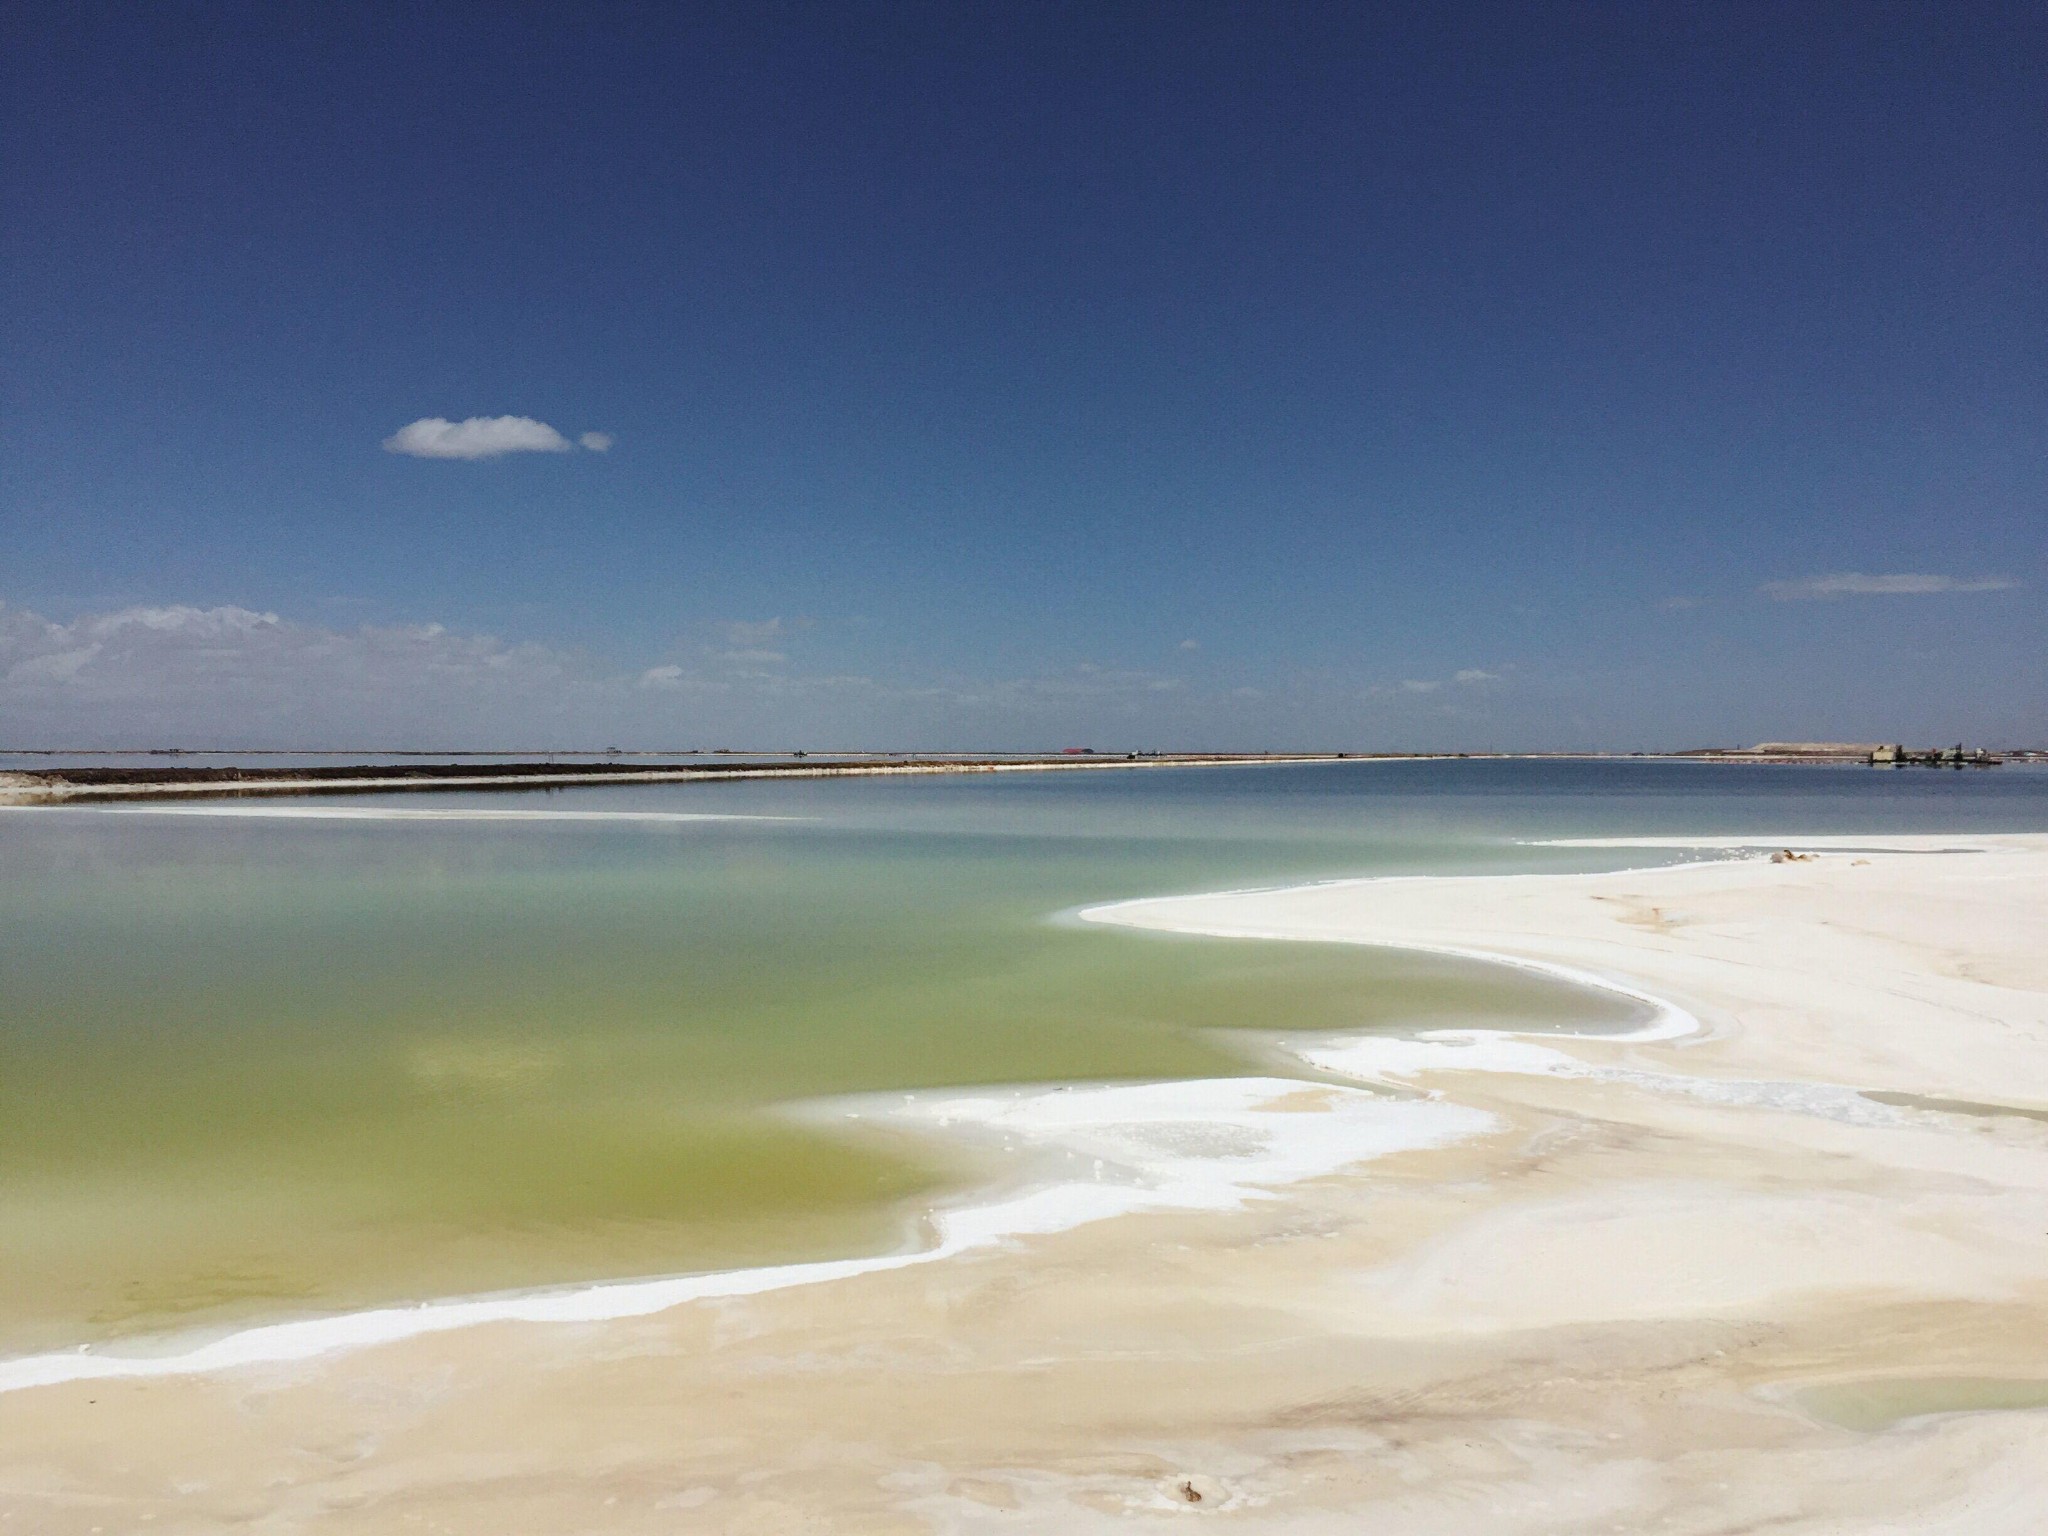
252, 1066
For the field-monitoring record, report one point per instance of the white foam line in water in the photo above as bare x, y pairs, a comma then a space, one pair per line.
1100, 1150
382, 813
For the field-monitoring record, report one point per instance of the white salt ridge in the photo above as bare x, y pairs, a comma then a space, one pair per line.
1401, 1060
1185, 1146
1904, 842
1397, 1060
1206, 1145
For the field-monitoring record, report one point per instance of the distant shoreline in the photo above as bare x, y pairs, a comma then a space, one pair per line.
62, 785
70, 784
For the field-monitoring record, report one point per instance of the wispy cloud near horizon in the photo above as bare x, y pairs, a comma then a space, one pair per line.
1860, 584
226, 676
183, 674
1464, 677
486, 437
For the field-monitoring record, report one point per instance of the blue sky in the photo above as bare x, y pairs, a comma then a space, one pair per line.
1464, 376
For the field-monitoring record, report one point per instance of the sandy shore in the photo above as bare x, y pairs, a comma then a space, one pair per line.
1779, 1262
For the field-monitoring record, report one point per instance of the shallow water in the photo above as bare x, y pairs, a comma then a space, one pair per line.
258, 1064
1879, 1402
1977, 1109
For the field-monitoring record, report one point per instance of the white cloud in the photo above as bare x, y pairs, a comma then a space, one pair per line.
484, 437
662, 677
1680, 604
1858, 584
597, 442
752, 643
1420, 687
1191, 645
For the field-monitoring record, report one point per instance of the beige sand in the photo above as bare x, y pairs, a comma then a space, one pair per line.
1600, 1318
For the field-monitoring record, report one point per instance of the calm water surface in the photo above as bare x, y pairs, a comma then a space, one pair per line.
258, 1066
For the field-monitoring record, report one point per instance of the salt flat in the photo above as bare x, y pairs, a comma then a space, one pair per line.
1632, 1293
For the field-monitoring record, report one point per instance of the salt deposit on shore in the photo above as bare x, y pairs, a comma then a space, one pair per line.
1591, 1284
1082, 1152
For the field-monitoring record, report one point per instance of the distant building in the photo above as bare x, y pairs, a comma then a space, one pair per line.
1879, 754
1863, 749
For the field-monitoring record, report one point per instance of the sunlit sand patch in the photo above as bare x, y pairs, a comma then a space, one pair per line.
1303, 1101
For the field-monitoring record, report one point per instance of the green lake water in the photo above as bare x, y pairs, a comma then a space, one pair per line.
1879, 1402
260, 1066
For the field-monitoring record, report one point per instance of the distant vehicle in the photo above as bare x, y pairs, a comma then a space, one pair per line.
1077, 751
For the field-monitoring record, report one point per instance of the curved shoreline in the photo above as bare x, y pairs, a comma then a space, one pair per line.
1046, 1116
1789, 1273
1668, 1021
946, 1113
1102, 1125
